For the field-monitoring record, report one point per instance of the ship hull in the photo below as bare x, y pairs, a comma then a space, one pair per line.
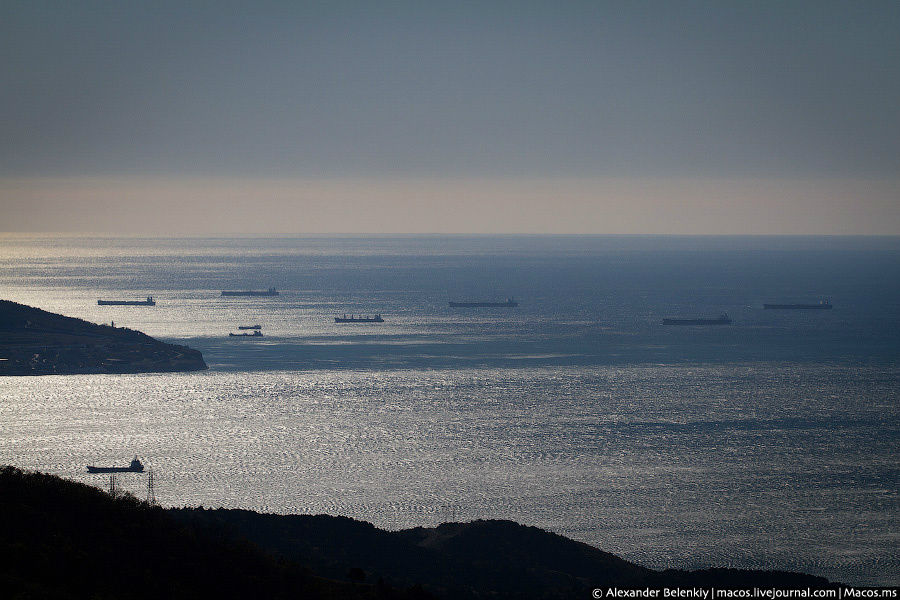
696, 321
126, 302
797, 306
483, 304
115, 469
341, 320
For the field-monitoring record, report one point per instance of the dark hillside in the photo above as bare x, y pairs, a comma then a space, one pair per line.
37, 342
496, 559
60, 539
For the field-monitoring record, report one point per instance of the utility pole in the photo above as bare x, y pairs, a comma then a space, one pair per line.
151, 494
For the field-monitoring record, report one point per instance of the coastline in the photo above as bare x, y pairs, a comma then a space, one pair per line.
37, 342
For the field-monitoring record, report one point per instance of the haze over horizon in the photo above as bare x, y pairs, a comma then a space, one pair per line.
496, 117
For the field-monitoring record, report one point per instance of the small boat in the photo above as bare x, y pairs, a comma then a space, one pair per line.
359, 319
148, 302
256, 333
249, 327
135, 467
510, 303
821, 305
723, 319
269, 292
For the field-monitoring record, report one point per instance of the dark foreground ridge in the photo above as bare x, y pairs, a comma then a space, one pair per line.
68, 540
37, 342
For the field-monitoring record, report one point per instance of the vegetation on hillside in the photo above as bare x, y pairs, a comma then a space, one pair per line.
37, 342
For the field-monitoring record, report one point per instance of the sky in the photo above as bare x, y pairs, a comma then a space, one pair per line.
676, 117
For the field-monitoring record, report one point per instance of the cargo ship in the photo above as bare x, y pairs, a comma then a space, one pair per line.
510, 303
135, 467
723, 319
249, 327
148, 302
269, 292
359, 319
256, 333
821, 305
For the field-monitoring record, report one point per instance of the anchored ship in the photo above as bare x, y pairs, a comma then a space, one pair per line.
821, 305
359, 319
135, 467
269, 292
723, 319
256, 333
249, 327
148, 302
510, 303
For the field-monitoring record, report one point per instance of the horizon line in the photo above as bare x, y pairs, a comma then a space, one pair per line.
399, 234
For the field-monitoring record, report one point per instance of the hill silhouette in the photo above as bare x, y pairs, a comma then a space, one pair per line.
63, 539
495, 558
37, 342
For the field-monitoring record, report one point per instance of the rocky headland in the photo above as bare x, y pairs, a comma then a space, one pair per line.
37, 342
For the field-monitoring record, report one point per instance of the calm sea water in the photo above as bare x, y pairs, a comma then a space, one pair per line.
769, 443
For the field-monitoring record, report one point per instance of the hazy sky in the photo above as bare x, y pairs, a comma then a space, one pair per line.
634, 117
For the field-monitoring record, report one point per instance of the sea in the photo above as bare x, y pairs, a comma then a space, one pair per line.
772, 442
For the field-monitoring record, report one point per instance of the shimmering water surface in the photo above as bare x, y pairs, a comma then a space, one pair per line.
769, 443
